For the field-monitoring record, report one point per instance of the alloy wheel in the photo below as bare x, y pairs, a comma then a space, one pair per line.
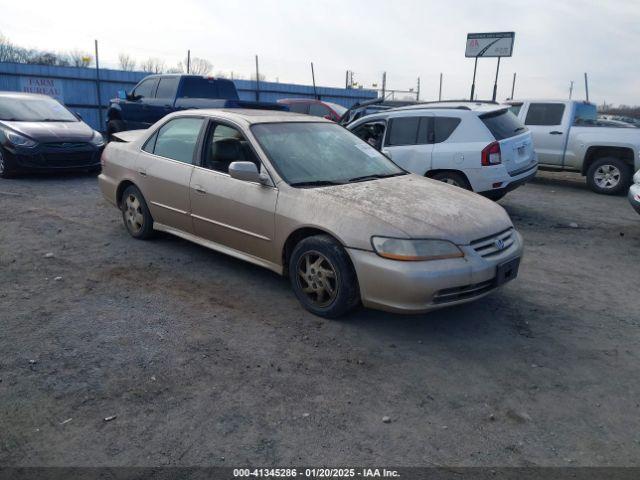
133, 213
450, 181
607, 176
317, 278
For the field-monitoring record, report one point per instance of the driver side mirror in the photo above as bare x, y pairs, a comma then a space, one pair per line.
247, 172
122, 95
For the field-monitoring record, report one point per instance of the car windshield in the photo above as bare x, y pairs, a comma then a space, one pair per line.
34, 109
317, 154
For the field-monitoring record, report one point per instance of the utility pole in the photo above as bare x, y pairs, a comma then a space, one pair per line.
257, 81
473, 84
513, 85
418, 91
586, 85
495, 84
188, 61
384, 84
440, 89
313, 77
98, 94
570, 89
346, 80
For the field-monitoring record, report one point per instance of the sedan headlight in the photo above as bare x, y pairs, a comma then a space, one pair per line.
415, 250
18, 140
97, 139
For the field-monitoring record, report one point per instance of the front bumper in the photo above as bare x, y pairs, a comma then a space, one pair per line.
634, 196
418, 287
46, 157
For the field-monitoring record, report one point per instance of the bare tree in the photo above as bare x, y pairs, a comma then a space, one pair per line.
152, 65
127, 63
79, 58
11, 53
197, 66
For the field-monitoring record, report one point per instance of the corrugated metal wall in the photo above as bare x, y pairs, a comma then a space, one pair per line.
78, 87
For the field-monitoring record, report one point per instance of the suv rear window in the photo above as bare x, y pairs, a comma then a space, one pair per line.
502, 124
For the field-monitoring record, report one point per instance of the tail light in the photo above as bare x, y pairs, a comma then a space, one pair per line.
491, 155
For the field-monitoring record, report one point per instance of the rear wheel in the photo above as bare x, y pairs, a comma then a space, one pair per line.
6, 169
452, 178
135, 214
609, 175
323, 278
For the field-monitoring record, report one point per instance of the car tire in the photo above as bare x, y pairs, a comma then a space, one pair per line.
323, 278
6, 169
609, 176
452, 178
135, 214
114, 126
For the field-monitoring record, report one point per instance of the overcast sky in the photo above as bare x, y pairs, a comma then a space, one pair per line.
556, 41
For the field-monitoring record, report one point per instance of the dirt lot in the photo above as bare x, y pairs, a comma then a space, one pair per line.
206, 360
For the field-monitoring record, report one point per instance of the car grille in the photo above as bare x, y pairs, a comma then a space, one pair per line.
460, 293
494, 244
67, 145
68, 159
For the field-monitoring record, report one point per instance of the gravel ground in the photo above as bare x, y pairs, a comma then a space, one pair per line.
202, 359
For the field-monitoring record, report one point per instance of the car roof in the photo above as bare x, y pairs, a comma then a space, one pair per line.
480, 107
545, 100
251, 116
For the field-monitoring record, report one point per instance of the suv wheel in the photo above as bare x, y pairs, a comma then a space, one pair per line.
323, 278
135, 214
609, 175
452, 178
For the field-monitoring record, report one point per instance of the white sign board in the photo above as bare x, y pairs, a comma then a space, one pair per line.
498, 44
43, 86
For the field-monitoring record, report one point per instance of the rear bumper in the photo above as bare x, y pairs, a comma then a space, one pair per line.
498, 179
418, 287
634, 197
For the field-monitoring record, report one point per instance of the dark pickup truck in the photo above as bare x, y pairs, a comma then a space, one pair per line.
158, 95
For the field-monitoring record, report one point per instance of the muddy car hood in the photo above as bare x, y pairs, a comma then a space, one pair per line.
45, 132
423, 208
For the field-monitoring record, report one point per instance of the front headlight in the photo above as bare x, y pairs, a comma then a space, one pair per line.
18, 140
415, 250
97, 139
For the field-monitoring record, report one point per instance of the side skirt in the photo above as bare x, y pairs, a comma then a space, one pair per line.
219, 248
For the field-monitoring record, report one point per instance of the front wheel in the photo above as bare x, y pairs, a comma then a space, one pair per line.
6, 169
135, 214
608, 175
323, 278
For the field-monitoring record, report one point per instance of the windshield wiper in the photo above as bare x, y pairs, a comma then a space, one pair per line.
316, 183
375, 176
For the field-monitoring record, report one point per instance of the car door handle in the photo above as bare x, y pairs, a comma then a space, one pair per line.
555, 132
142, 172
199, 189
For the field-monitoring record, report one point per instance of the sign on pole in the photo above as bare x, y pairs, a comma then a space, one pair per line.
497, 44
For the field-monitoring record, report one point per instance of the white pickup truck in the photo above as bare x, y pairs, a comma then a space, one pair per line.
567, 136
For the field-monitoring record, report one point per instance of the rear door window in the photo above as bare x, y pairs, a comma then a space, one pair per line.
167, 87
177, 139
545, 114
409, 131
318, 110
503, 124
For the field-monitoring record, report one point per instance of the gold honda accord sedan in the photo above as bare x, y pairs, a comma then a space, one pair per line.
307, 199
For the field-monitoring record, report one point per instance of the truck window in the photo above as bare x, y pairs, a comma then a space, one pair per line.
503, 124
146, 88
586, 115
167, 87
443, 127
545, 114
202, 87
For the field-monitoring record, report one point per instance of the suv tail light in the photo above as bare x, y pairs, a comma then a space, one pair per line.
491, 155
